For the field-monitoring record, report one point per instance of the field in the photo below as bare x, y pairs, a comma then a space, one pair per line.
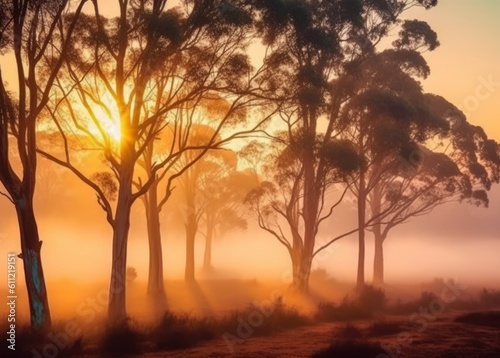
247, 318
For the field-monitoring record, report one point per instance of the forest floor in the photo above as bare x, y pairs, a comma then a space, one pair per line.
408, 332
443, 338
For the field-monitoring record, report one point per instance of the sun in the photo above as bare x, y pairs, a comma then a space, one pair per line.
108, 117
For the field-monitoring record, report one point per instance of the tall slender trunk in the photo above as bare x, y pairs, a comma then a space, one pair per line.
207, 257
156, 288
378, 259
191, 228
32, 262
311, 202
360, 279
117, 312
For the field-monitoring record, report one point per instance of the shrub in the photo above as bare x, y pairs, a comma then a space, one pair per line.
119, 340
372, 298
178, 331
489, 298
346, 311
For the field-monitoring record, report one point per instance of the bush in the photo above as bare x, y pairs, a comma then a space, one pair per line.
183, 331
120, 340
372, 298
489, 298
281, 318
346, 311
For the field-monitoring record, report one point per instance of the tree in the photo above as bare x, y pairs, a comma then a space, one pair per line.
387, 114
224, 190
318, 46
26, 28
131, 76
426, 179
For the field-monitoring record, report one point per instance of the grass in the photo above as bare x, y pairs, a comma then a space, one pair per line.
178, 331
121, 340
28, 340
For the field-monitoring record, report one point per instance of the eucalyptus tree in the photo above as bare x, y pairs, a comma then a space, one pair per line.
318, 46
26, 30
124, 84
461, 170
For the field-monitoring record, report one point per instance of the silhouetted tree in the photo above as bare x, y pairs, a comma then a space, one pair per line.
26, 29
387, 114
424, 179
126, 77
223, 189
318, 46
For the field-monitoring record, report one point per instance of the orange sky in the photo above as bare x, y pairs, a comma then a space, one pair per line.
468, 57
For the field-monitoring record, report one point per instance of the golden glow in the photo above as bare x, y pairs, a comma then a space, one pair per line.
108, 116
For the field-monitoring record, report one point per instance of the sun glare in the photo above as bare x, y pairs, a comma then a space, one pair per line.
109, 118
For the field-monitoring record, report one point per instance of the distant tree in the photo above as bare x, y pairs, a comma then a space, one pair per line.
26, 29
131, 274
223, 189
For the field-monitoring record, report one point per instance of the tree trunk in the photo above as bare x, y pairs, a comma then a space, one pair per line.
207, 257
301, 263
360, 279
32, 262
117, 312
190, 240
378, 260
156, 287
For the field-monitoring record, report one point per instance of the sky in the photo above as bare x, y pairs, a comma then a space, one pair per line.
467, 59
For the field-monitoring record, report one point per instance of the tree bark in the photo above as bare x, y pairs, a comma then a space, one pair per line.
207, 257
32, 262
379, 237
156, 288
190, 241
360, 279
117, 312
301, 263
378, 260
